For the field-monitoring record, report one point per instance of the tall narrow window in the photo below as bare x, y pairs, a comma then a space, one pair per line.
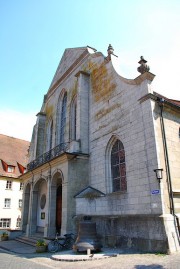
73, 119
21, 186
118, 167
7, 203
49, 134
63, 118
20, 203
8, 185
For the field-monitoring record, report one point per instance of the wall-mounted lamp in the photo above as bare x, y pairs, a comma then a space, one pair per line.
158, 174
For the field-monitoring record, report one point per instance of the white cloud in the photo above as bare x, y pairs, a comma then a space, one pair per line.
166, 68
17, 124
163, 62
159, 43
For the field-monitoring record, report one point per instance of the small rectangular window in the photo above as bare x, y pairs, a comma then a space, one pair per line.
21, 186
9, 185
20, 203
7, 203
5, 223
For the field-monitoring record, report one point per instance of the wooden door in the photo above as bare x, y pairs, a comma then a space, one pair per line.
59, 209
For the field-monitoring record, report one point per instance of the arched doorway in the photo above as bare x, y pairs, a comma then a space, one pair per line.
56, 203
59, 209
39, 207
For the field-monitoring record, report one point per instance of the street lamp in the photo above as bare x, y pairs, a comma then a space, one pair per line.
158, 174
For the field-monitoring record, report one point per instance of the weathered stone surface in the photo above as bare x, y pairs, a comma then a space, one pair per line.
109, 108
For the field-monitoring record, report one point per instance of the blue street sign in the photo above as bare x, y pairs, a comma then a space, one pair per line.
155, 192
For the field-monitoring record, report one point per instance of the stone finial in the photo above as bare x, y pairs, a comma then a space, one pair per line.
143, 66
110, 52
110, 49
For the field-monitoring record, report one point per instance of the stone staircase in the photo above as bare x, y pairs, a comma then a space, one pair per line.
30, 240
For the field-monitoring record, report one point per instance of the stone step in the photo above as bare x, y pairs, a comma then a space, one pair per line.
30, 240
26, 241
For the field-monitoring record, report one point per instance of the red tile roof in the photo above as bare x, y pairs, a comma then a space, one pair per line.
13, 151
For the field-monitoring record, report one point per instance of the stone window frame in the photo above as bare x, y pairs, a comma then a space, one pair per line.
110, 187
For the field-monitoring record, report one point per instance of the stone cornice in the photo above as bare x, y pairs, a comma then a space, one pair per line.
144, 76
41, 114
82, 72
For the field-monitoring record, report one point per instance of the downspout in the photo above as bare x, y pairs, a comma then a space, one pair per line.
161, 102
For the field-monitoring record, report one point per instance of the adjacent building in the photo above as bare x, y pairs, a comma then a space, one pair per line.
97, 143
13, 161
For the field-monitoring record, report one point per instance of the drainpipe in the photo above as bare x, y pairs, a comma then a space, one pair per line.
161, 102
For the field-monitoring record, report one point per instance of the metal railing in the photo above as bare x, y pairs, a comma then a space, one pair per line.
49, 155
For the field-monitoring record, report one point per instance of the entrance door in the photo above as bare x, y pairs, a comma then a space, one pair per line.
59, 209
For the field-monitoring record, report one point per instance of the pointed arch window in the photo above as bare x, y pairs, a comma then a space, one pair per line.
73, 119
118, 167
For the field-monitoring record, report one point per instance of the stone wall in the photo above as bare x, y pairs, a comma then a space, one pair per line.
141, 233
110, 107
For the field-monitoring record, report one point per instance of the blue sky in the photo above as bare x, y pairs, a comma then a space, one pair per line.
34, 35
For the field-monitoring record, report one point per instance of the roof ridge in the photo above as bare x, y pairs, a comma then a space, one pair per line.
15, 138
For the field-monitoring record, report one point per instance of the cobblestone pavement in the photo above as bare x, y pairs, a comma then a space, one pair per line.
30, 260
13, 261
124, 261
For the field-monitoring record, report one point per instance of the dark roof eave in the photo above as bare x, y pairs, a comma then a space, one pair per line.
155, 96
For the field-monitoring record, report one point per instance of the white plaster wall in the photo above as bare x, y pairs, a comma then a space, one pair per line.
14, 194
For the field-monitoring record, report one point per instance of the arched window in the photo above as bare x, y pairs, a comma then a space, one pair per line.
49, 135
61, 118
118, 167
73, 119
